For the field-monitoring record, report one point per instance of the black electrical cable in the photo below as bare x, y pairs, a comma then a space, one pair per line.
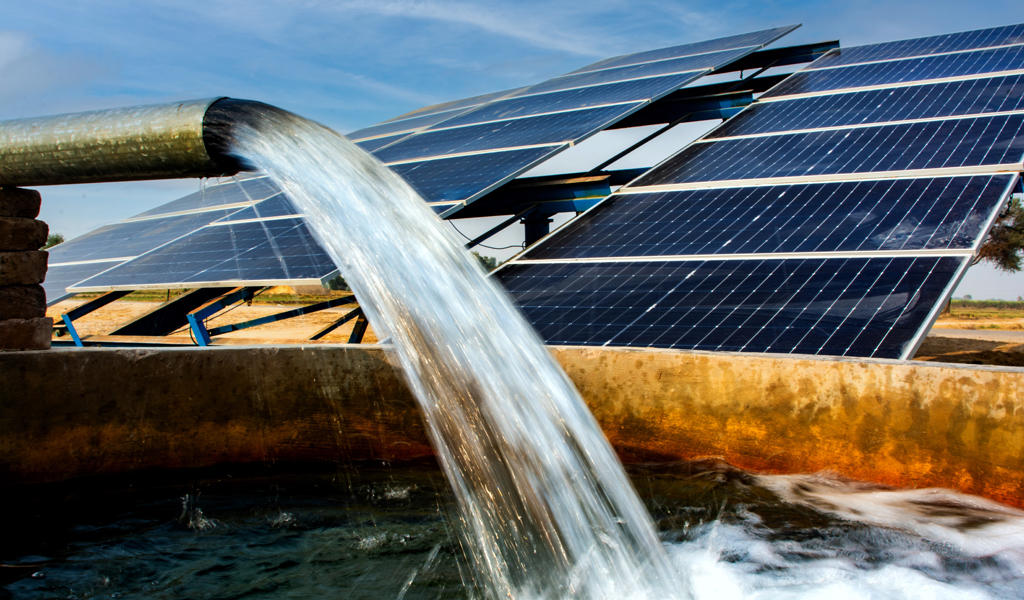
523, 245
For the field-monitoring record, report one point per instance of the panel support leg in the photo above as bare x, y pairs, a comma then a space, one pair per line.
537, 226
352, 314
196, 318
358, 330
90, 306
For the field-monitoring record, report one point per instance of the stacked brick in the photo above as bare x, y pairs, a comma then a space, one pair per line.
23, 324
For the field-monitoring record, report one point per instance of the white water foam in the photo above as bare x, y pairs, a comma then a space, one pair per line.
901, 544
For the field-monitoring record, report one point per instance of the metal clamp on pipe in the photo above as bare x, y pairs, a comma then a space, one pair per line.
164, 141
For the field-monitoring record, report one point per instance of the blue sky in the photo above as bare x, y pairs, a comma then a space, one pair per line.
349, 64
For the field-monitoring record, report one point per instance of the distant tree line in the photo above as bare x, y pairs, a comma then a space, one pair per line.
966, 302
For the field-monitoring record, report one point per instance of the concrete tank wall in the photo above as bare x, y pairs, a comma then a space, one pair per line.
66, 414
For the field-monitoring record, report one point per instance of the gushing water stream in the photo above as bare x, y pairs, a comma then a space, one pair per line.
546, 509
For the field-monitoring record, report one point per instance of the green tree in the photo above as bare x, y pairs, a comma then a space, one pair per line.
1005, 242
338, 283
489, 263
52, 240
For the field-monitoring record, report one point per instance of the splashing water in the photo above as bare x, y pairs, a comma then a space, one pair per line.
546, 509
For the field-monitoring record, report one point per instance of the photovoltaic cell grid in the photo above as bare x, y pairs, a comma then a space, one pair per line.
975, 142
944, 213
112, 245
839, 306
263, 252
242, 231
439, 149
833, 216
951, 99
402, 126
944, 66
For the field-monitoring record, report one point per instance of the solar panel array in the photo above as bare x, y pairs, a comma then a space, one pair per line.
452, 153
831, 217
455, 153
245, 231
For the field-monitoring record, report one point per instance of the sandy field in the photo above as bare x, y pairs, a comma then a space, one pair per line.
296, 330
995, 341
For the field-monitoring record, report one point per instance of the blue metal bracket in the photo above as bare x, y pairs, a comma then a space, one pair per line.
197, 317
90, 306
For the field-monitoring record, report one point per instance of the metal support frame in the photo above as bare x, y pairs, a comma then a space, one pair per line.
779, 57
717, 101
537, 226
681, 118
204, 336
754, 85
170, 315
501, 226
90, 306
686, 109
352, 314
359, 329
196, 318
572, 192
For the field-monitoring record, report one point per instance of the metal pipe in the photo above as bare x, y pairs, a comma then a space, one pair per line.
164, 141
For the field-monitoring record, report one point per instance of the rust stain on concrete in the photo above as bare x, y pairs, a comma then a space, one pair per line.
66, 414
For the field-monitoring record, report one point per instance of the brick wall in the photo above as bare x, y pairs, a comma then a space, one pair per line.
23, 324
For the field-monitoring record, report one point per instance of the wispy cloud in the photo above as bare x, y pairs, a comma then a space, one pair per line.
517, 21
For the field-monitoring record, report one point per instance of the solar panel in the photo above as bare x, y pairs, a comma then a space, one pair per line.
864, 216
742, 40
277, 205
61, 276
686, 64
953, 42
930, 101
543, 130
132, 238
471, 175
424, 117
982, 141
377, 143
840, 306
264, 252
965, 64
240, 191
829, 224
112, 245
556, 114
579, 98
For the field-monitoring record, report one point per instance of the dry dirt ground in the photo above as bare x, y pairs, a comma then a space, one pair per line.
975, 341
952, 340
296, 330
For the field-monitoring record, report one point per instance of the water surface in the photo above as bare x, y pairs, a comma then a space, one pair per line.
373, 531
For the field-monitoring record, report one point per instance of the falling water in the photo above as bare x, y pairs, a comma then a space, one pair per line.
545, 507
